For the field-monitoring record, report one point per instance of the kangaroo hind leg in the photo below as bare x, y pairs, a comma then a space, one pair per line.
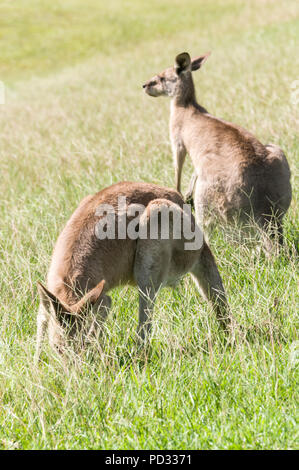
152, 261
208, 278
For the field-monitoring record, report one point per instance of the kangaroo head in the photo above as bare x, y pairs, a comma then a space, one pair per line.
175, 80
66, 321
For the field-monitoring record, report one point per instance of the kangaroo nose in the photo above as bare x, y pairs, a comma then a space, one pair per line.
144, 86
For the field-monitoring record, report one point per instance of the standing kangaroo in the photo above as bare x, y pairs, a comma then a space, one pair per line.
84, 262
236, 175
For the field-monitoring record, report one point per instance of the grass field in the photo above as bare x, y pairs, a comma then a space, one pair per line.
75, 120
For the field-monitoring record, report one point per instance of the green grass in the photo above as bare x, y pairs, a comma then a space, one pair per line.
75, 121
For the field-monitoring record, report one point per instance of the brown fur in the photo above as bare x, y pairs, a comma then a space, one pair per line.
236, 175
82, 263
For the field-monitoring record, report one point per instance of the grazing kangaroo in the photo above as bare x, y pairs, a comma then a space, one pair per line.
236, 175
86, 266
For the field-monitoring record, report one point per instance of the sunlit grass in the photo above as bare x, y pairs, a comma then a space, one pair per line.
75, 121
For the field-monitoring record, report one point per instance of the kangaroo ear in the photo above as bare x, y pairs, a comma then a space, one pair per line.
182, 62
54, 306
90, 298
197, 62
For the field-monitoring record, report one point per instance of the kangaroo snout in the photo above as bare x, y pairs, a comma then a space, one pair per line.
153, 87
149, 88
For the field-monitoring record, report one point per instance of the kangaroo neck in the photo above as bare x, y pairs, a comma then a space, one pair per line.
185, 90
178, 112
185, 96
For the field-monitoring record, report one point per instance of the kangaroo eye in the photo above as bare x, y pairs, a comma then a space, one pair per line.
162, 79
